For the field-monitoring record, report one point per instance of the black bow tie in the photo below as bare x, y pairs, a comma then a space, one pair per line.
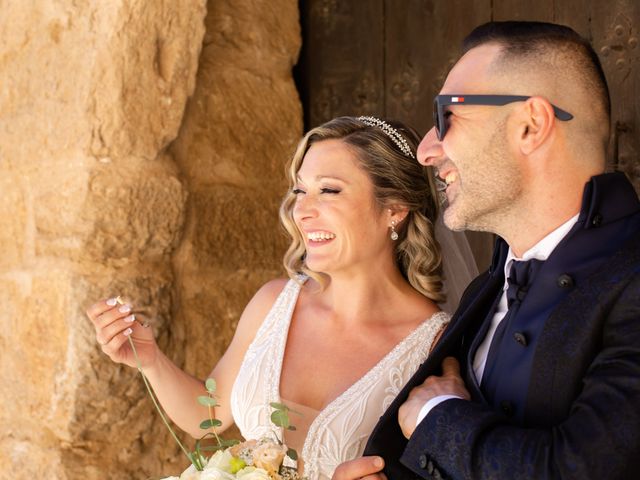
519, 279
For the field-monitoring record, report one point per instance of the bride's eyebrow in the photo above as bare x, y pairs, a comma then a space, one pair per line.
318, 178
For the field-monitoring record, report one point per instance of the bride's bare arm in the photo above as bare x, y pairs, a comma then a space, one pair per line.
176, 390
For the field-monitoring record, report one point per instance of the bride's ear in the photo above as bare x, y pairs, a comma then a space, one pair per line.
397, 213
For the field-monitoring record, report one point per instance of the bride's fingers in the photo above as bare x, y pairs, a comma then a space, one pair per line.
99, 308
115, 343
112, 329
110, 316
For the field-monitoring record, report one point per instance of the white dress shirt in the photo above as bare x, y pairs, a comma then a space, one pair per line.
540, 251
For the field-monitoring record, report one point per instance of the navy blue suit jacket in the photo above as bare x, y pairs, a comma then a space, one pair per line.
569, 405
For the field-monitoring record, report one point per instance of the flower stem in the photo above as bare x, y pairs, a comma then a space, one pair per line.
159, 409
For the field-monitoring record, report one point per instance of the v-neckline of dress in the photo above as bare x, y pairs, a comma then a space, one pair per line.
334, 405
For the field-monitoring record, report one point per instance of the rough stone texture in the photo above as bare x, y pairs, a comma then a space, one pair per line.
91, 95
113, 181
240, 128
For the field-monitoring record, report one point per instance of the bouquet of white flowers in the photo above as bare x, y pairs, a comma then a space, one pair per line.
251, 460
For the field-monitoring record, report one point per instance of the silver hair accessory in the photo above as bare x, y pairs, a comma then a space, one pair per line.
391, 132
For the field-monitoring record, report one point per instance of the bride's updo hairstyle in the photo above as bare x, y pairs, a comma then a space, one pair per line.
389, 160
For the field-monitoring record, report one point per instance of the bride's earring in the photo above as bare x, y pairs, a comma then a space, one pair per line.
394, 234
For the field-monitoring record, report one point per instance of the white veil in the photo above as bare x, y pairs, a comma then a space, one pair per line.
458, 264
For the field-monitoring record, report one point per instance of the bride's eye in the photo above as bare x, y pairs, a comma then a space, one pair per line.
297, 191
329, 190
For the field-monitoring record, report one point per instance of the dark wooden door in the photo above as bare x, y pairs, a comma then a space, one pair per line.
390, 57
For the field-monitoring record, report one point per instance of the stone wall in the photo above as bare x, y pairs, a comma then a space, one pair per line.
113, 181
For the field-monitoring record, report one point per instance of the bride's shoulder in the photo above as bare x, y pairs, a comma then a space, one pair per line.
268, 293
258, 307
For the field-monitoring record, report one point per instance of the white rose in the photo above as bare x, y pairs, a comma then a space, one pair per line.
253, 473
220, 461
215, 474
190, 473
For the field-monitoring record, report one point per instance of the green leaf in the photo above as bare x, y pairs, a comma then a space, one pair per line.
207, 401
210, 423
210, 448
292, 454
280, 418
229, 443
210, 385
223, 444
197, 460
279, 406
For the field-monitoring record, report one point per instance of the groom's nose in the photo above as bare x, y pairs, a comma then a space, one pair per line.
430, 149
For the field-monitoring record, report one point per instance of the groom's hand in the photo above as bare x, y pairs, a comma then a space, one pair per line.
450, 383
364, 468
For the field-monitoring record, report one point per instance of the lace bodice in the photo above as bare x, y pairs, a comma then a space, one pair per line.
341, 429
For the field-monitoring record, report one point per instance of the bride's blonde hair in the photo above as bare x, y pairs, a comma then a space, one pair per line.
398, 179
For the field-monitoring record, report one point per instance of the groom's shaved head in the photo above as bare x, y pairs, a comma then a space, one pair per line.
552, 61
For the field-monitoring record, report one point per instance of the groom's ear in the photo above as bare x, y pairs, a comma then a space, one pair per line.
536, 122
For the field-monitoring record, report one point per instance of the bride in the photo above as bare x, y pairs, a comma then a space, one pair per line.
358, 314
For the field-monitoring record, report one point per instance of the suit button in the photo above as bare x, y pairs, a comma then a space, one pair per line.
422, 461
565, 281
520, 338
596, 221
506, 408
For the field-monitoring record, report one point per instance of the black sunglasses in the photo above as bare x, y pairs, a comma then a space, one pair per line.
441, 101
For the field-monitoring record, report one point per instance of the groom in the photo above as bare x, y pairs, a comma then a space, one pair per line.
538, 375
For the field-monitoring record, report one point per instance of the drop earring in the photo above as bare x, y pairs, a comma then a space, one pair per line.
394, 234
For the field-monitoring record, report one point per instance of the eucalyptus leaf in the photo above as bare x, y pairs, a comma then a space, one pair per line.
210, 448
279, 406
229, 443
292, 454
210, 423
280, 418
210, 385
213, 448
207, 401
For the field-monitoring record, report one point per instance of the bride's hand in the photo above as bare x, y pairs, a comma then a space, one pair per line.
114, 323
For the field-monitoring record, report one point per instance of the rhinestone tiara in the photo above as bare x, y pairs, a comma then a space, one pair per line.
395, 136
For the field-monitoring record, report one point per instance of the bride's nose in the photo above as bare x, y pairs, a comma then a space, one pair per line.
305, 207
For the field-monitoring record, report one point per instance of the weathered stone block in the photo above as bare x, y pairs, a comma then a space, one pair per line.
236, 228
14, 234
145, 71
136, 214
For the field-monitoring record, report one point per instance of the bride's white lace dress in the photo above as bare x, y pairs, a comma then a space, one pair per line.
340, 431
